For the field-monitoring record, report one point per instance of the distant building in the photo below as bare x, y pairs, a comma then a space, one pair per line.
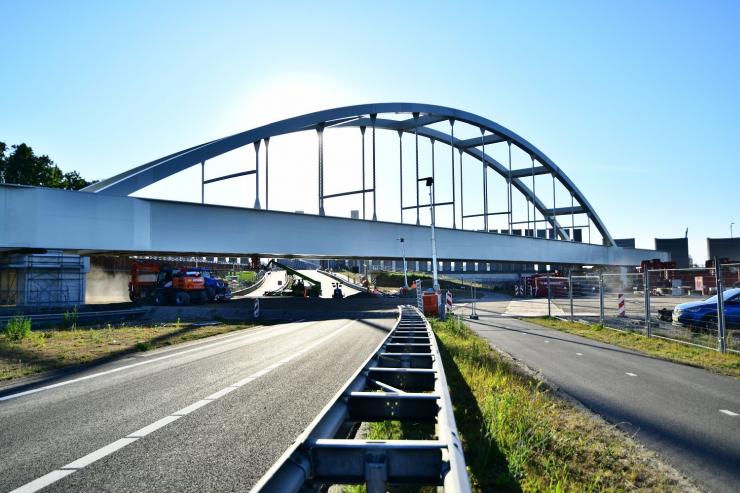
626, 242
724, 248
677, 247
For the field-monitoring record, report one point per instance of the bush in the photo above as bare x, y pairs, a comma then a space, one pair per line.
143, 346
18, 328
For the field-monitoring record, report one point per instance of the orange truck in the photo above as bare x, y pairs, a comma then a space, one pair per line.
163, 285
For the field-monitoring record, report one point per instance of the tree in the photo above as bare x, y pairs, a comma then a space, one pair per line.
21, 166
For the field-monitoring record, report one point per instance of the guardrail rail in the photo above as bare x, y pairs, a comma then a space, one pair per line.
402, 381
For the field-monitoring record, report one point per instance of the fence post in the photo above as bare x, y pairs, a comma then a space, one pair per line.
570, 293
549, 295
601, 298
646, 285
720, 307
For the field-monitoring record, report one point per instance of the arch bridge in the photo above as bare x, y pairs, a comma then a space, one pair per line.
104, 217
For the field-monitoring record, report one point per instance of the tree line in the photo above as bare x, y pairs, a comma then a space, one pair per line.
21, 166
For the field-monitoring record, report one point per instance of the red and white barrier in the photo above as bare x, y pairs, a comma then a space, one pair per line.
257, 308
448, 301
620, 306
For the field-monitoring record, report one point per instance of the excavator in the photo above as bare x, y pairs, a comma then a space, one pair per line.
297, 284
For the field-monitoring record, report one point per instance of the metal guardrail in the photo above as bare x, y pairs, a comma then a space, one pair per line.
402, 381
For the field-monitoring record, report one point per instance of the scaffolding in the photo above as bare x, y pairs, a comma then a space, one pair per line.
43, 280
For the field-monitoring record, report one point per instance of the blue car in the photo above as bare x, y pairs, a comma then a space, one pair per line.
703, 314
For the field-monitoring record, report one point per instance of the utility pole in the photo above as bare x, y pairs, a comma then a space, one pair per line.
405, 270
429, 181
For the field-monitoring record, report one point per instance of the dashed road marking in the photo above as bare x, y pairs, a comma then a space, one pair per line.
64, 471
729, 413
579, 354
631, 374
546, 342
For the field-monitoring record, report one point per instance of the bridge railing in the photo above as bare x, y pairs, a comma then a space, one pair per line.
402, 381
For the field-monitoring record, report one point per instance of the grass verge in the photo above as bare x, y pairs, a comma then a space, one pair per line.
518, 436
45, 350
714, 361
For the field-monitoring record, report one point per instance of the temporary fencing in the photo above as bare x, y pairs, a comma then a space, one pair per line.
677, 304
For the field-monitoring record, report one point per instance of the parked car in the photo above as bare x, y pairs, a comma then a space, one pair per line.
703, 314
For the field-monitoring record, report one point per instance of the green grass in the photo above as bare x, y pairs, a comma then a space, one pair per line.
714, 361
44, 350
247, 276
518, 436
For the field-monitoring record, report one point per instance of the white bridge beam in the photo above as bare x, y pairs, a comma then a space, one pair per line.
38, 218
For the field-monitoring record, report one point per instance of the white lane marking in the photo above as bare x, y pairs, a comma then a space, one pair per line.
579, 354
154, 426
192, 407
64, 471
729, 413
221, 393
631, 374
99, 454
248, 336
243, 381
43, 481
546, 342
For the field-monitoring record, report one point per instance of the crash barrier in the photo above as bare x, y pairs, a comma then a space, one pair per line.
402, 381
676, 304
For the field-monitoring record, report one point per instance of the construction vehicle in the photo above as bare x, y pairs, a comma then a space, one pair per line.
154, 283
297, 284
216, 289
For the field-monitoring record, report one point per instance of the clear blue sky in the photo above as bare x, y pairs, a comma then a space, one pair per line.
638, 102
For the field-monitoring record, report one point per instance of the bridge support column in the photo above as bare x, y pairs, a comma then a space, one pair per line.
320, 132
375, 203
257, 175
416, 138
452, 156
362, 131
485, 180
267, 173
462, 195
400, 170
510, 201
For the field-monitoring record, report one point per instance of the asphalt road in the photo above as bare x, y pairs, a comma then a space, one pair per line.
206, 416
688, 415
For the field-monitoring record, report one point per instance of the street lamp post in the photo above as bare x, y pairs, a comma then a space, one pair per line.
731, 225
429, 181
405, 269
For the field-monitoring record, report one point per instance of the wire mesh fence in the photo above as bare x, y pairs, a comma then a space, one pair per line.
678, 304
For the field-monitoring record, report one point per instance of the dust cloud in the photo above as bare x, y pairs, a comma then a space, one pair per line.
105, 286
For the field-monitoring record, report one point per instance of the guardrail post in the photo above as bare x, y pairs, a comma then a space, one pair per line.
722, 347
601, 298
570, 293
646, 285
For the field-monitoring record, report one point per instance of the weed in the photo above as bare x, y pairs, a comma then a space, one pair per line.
18, 328
70, 319
143, 346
